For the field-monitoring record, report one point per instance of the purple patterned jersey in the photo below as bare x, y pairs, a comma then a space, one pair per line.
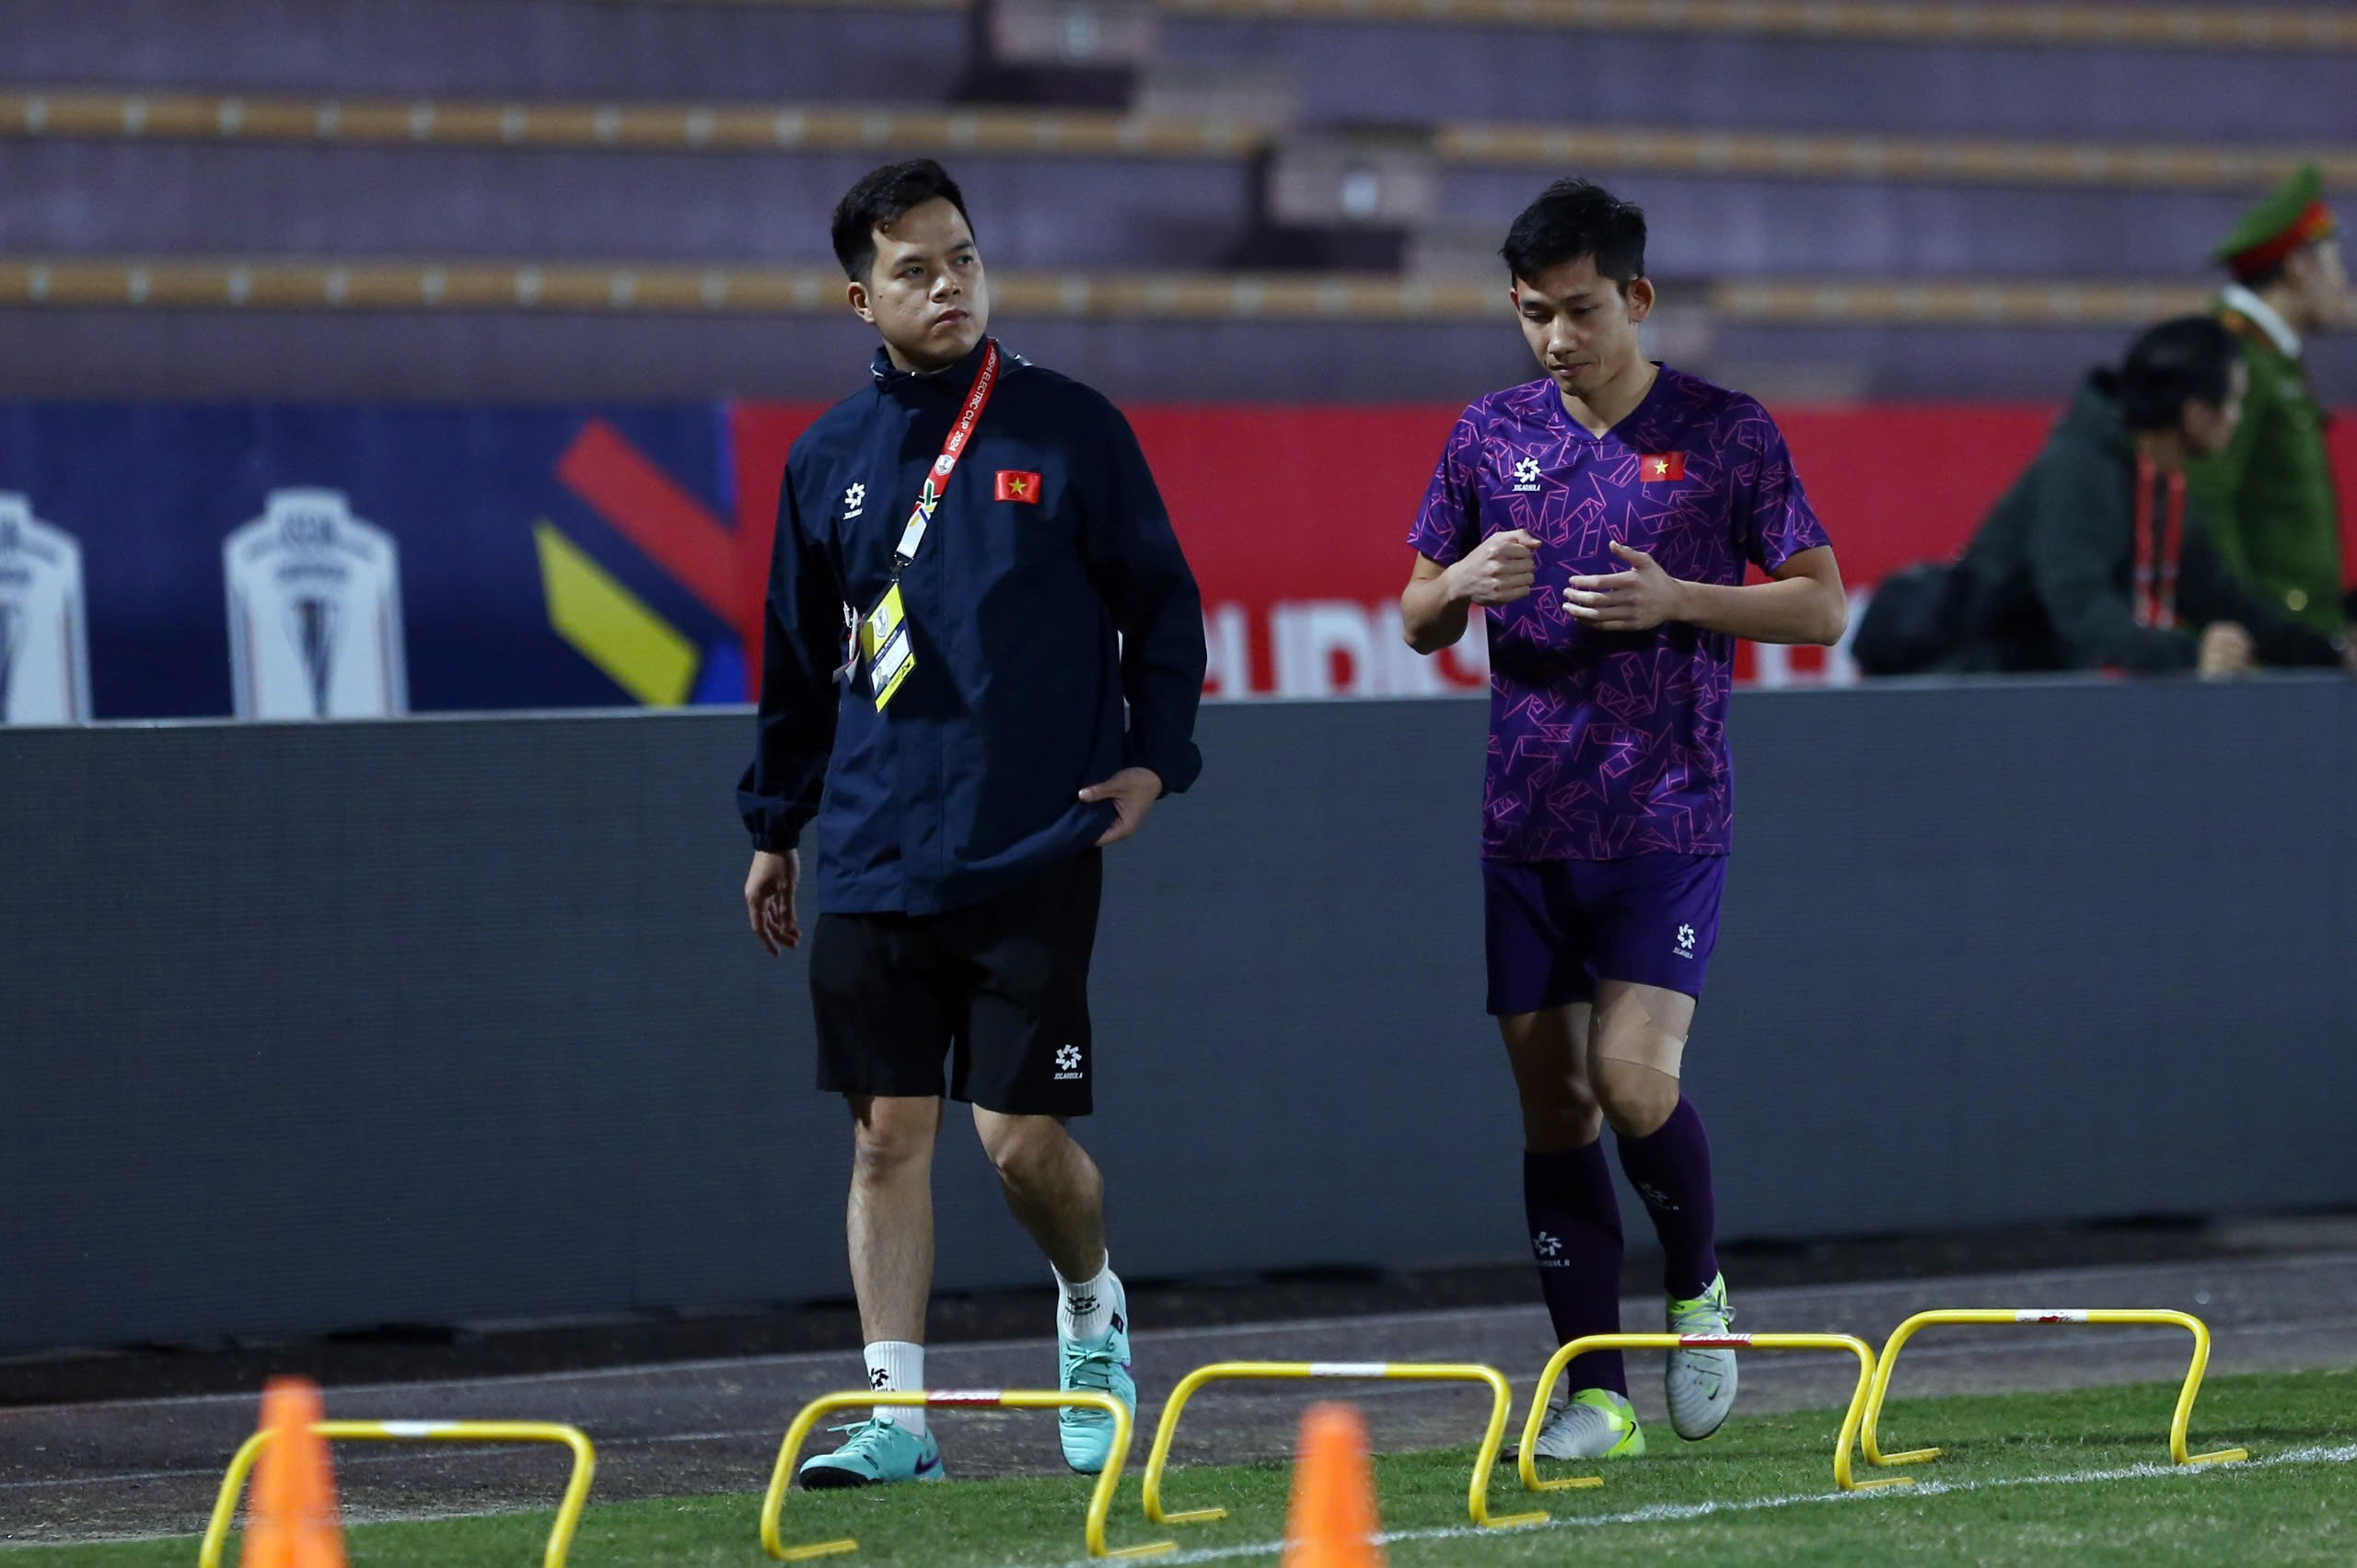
1608, 744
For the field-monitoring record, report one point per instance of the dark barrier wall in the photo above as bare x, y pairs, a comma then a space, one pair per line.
309, 1027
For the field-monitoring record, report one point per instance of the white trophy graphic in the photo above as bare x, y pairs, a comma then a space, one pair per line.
314, 612
44, 629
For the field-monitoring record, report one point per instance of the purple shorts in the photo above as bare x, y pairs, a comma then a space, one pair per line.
1554, 928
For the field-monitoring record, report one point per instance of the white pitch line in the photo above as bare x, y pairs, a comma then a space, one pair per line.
1672, 1513
1657, 1513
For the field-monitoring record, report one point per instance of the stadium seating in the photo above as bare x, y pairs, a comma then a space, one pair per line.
2040, 177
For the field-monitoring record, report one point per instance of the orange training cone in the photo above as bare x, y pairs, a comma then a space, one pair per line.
1332, 1523
293, 1521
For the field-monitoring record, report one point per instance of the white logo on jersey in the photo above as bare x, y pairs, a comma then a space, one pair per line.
855, 499
1525, 475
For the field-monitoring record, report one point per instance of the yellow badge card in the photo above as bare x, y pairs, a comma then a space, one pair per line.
884, 644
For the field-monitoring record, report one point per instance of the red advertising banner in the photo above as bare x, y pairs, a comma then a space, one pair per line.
1296, 518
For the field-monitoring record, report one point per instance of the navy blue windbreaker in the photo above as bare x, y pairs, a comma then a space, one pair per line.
1056, 641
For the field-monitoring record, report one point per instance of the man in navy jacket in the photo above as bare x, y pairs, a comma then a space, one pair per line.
983, 656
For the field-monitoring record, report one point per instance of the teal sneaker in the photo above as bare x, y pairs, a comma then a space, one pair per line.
1597, 1424
1700, 1383
1101, 1363
879, 1450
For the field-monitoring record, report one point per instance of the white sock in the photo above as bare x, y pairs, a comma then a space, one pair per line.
898, 1366
1087, 1309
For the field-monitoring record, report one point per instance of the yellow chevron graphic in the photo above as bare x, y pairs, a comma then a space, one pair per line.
613, 627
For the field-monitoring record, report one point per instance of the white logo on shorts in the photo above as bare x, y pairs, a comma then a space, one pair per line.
1067, 1063
1685, 941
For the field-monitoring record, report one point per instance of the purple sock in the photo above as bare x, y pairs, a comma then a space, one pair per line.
1670, 1169
1576, 1239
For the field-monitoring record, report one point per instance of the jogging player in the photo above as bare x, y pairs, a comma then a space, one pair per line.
1603, 516
984, 652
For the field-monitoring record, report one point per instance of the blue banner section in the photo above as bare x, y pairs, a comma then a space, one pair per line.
299, 560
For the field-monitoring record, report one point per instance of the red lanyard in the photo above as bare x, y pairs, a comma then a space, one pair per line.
2157, 549
937, 478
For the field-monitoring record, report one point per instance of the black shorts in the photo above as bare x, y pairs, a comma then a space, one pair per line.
1000, 987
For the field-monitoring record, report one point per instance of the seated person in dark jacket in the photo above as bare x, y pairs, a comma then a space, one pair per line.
2093, 560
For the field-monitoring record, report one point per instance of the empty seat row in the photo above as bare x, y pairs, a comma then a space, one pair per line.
1420, 215
947, 131
2185, 72
460, 284
545, 353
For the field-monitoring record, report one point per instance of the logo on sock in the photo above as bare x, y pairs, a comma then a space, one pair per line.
1547, 1246
878, 1379
1653, 1196
1081, 1306
1685, 941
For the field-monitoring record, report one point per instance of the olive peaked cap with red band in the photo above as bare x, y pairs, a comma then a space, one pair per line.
2291, 215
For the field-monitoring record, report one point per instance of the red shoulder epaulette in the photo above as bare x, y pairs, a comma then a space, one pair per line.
2244, 326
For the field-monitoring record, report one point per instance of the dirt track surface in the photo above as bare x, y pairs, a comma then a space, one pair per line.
151, 1468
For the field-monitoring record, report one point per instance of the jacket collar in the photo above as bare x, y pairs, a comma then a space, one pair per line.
953, 379
2260, 314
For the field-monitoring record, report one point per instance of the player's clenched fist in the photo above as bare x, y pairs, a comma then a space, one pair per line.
1498, 571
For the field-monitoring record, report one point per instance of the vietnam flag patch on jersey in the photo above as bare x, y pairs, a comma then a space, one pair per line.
1018, 484
1662, 468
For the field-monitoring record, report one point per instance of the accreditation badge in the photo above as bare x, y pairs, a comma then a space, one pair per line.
884, 645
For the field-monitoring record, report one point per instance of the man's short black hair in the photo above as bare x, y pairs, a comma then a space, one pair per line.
1574, 218
881, 197
2186, 359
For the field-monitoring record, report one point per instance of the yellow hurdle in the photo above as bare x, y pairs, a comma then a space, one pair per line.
1477, 1496
1527, 1461
2177, 1423
568, 1513
1100, 1501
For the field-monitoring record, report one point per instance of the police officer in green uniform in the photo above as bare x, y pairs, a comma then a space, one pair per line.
2269, 498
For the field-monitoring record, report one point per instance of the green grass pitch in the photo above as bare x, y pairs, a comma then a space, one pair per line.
2024, 1481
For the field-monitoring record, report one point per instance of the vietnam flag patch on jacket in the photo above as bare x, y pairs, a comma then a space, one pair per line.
1017, 484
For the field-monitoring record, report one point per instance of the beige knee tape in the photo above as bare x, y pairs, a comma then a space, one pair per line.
1629, 1032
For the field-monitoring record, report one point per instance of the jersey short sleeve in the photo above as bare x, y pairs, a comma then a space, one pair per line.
1774, 519
1449, 524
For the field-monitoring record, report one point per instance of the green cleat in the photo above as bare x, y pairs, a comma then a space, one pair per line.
880, 1451
1597, 1424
